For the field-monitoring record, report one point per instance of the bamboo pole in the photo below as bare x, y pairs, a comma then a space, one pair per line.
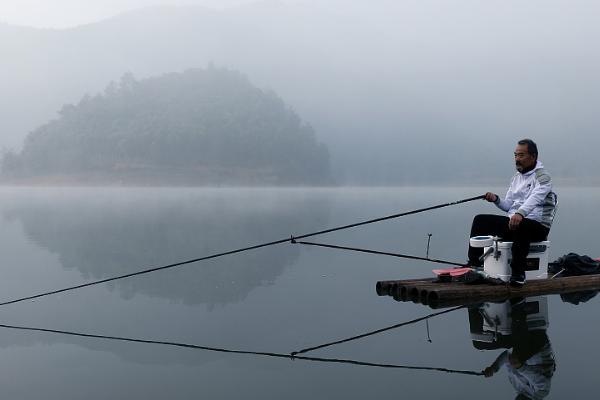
464, 294
441, 295
385, 288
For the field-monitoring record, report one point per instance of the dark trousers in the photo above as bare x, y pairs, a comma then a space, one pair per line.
496, 225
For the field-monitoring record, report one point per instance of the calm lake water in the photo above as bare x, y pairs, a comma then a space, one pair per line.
277, 299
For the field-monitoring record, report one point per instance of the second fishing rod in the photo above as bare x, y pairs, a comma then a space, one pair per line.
291, 239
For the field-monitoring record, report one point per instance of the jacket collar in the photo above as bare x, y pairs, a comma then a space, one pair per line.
538, 165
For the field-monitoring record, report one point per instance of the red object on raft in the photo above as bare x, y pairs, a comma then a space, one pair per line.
452, 271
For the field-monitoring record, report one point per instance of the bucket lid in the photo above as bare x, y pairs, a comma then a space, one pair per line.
481, 241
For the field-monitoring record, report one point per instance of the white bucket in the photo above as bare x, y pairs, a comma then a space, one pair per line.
536, 262
481, 241
497, 318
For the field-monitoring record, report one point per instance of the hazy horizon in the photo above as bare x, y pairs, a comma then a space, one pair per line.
399, 91
67, 14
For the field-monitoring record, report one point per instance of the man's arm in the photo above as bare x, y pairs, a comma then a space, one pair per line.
492, 369
504, 204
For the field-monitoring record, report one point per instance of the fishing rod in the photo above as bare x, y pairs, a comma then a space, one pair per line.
375, 332
239, 250
231, 351
385, 253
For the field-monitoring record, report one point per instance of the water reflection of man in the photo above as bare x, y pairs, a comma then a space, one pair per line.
530, 364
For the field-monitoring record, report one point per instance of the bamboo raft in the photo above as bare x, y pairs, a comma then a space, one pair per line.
441, 294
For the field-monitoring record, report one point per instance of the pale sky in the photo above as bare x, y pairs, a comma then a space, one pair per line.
69, 13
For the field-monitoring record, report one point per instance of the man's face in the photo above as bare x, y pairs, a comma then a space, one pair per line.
523, 160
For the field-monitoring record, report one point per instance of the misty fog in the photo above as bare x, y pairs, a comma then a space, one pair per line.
141, 141
400, 92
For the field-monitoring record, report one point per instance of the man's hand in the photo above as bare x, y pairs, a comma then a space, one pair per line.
488, 372
514, 222
491, 197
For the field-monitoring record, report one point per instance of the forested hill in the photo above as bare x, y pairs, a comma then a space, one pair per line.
203, 126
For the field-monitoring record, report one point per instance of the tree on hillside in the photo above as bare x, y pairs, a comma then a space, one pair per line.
212, 119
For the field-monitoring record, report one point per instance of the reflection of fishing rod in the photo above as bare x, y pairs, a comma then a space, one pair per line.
240, 250
375, 332
243, 352
396, 366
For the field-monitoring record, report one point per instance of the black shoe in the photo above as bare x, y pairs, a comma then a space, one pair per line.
517, 301
517, 280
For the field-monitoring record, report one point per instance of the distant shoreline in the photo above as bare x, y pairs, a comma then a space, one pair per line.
244, 180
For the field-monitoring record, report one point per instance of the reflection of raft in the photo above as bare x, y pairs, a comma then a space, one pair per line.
441, 294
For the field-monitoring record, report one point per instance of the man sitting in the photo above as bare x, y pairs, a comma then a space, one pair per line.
530, 203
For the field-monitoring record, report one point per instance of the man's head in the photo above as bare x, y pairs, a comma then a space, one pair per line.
526, 154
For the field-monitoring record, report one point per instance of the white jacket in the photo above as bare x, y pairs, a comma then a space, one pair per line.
530, 194
534, 377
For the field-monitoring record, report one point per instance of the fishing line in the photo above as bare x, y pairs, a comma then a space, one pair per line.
375, 332
332, 246
240, 250
241, 352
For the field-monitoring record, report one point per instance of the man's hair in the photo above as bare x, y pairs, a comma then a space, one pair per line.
531, 146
